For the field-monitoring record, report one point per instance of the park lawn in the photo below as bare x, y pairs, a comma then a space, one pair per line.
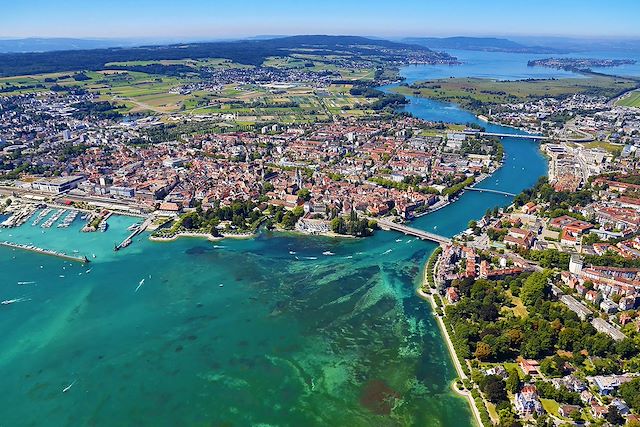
631, 100
430, 132
551, 406
614, 149
491, 409
518, 308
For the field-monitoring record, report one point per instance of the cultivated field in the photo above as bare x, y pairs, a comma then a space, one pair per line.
136, 91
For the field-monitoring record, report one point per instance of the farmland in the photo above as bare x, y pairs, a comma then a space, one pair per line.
161, 94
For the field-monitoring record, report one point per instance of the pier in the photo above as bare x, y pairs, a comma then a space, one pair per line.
487, 190
421, 234
31, 248
129, 239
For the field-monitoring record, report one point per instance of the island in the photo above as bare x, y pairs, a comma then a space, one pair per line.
579, 64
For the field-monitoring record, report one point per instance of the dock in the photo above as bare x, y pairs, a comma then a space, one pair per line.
31, 248
129, 239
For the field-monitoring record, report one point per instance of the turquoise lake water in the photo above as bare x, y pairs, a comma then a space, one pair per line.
291, 338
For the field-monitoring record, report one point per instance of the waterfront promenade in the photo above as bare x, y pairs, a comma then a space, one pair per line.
428, 296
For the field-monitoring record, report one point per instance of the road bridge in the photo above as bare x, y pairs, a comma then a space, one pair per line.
421, 234
487, 190
587, 137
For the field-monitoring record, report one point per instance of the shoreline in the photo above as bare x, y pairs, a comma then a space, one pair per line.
194, 235
201, 236
452, 352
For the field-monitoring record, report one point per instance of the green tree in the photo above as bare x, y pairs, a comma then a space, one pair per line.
494, 388
483, 351
513, 381
535, 289
304, 194
630, 392
614, 417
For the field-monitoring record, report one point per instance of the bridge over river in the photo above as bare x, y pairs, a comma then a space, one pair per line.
487, 190
586, 138
421, 234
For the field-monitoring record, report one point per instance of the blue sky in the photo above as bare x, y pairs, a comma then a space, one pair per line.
219, 19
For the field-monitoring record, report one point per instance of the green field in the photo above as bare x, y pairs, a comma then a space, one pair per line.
614, 149
631, 100
144, 92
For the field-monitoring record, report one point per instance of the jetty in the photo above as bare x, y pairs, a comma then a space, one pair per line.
32, 248
421, 234
488, 190
129, 239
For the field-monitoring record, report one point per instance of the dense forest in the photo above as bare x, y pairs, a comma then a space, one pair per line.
250, 52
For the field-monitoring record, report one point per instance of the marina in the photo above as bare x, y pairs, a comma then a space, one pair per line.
18, 218
66, 222
42, 215
53, 219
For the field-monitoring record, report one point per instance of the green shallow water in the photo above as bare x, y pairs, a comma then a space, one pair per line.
319, 340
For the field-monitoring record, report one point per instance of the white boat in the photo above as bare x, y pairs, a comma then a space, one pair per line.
327, 253
292, 252
66, 389
26, 283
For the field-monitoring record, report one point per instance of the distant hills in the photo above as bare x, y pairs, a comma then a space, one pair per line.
51, 44
251, 52
486, 44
